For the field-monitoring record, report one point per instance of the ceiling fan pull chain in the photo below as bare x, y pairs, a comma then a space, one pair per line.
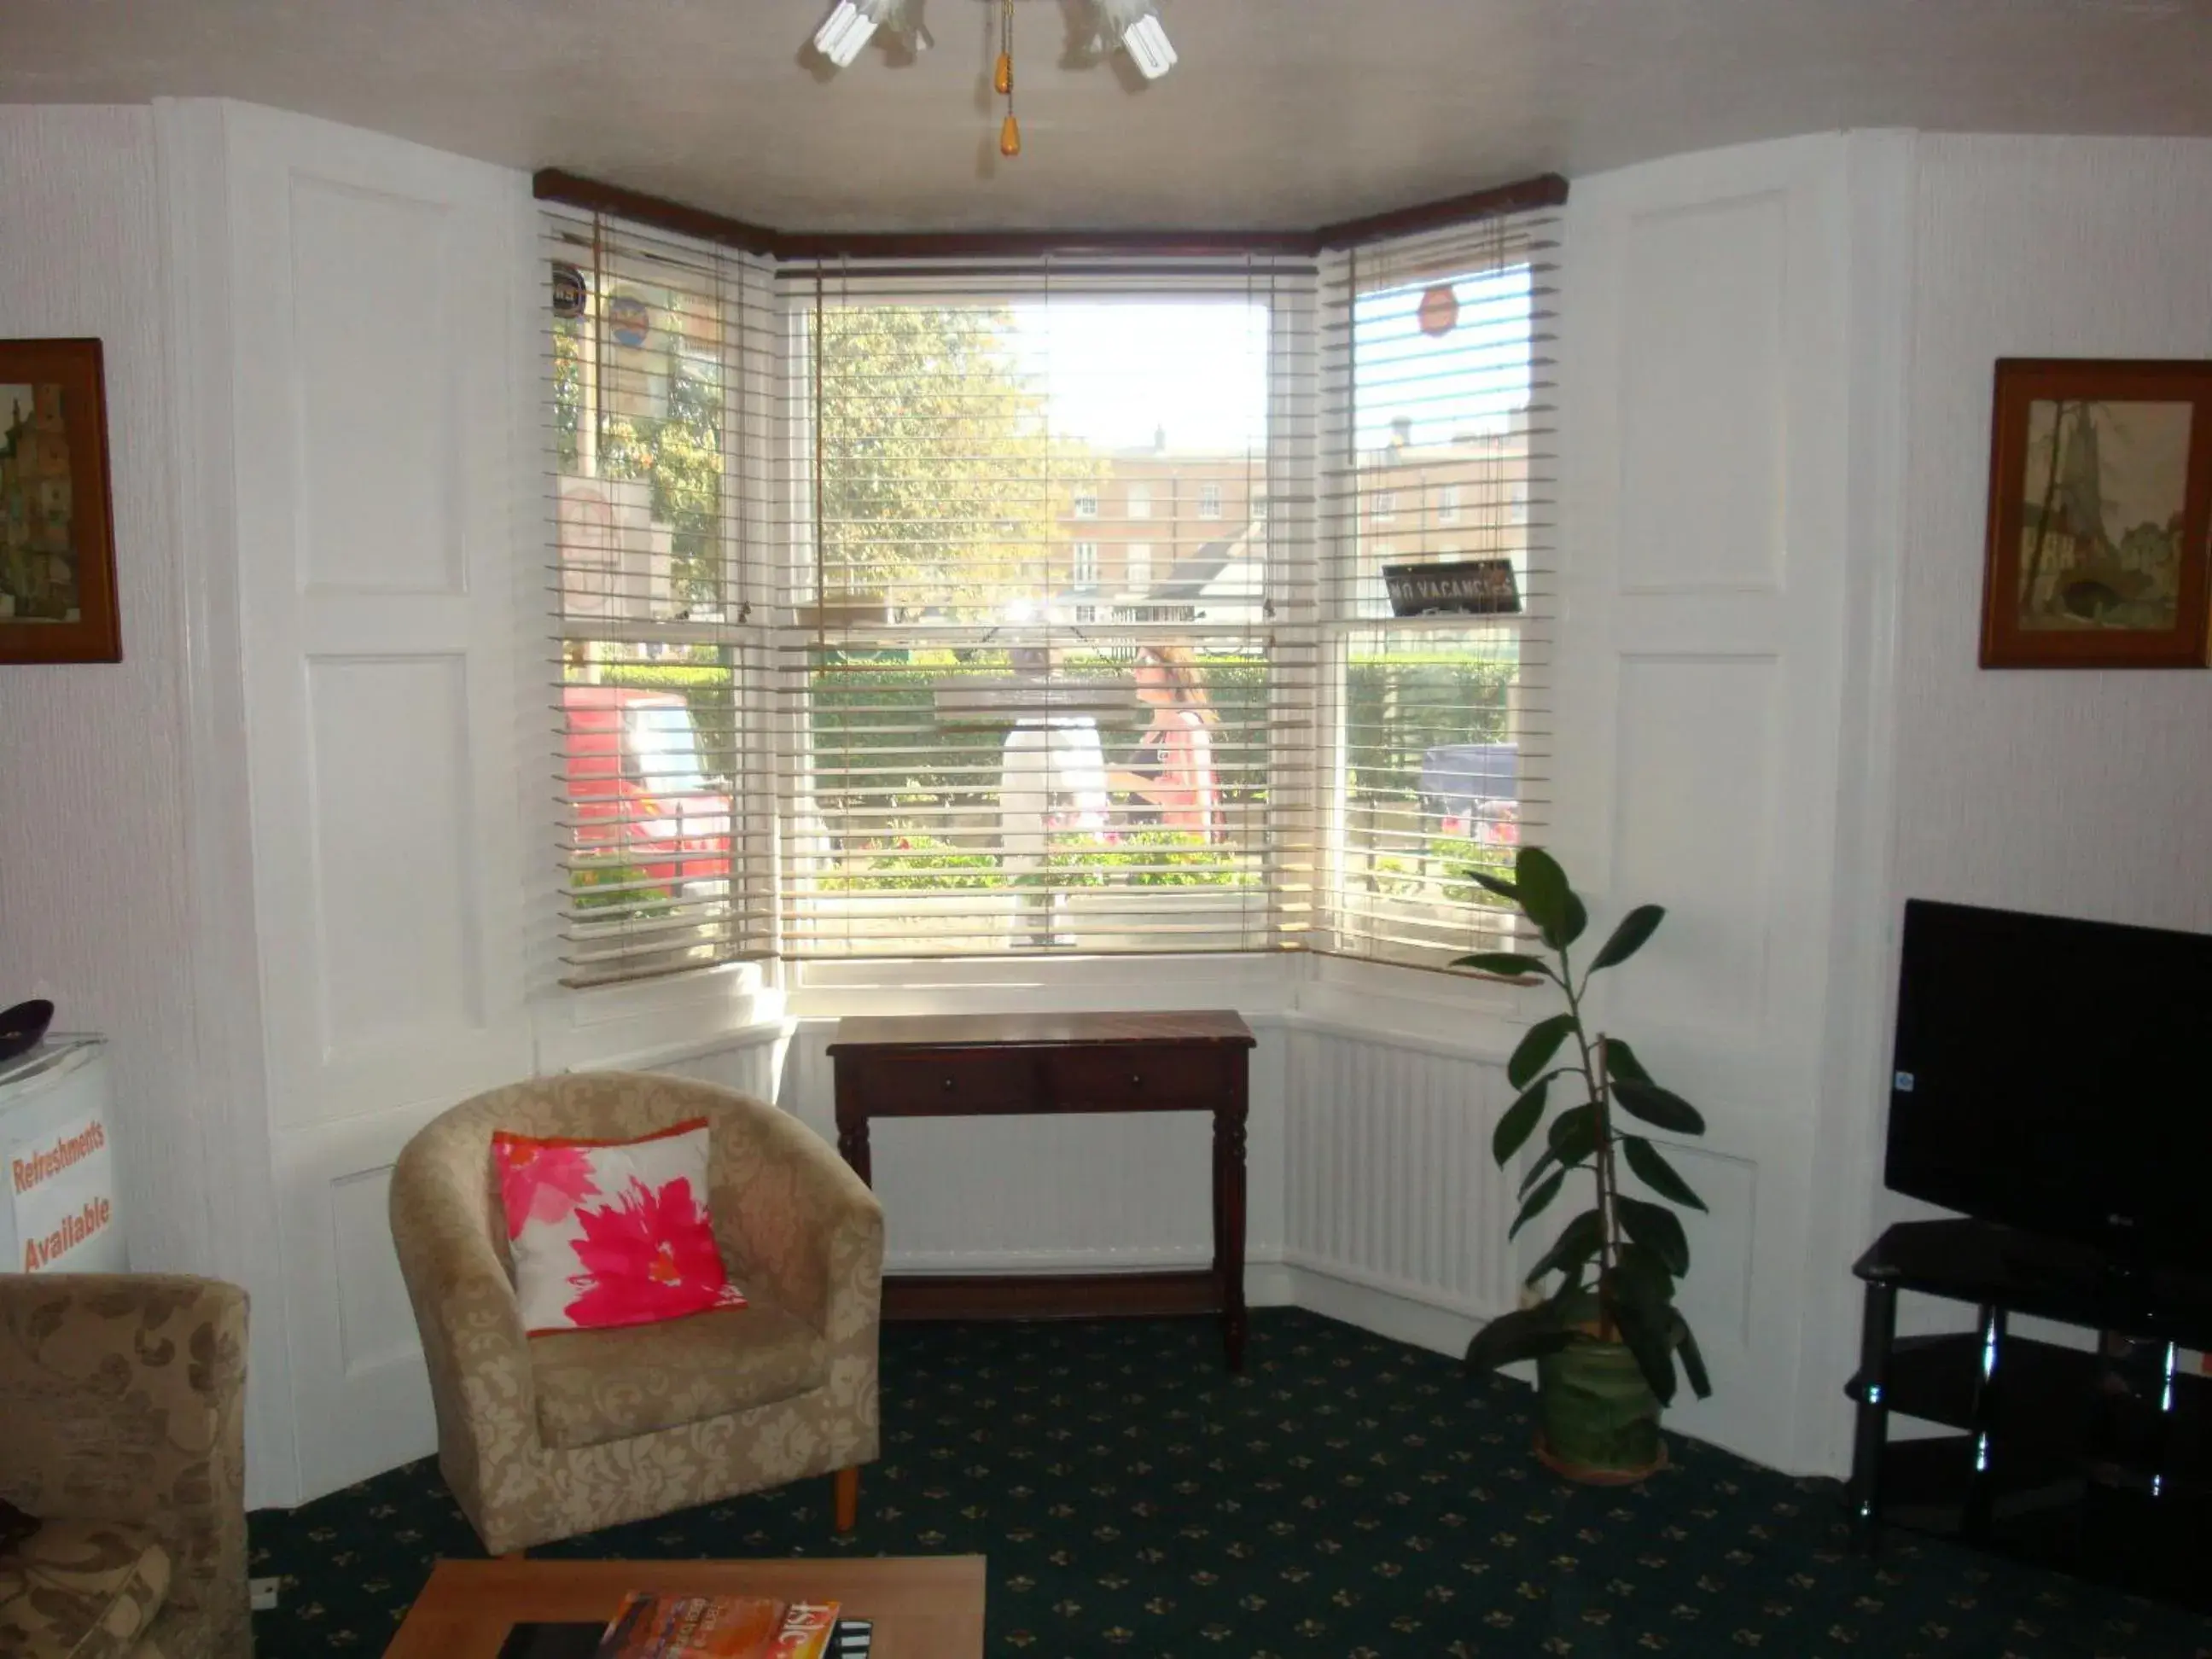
1002, 81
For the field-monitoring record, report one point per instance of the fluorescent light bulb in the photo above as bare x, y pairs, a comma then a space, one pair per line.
1136, 25
853, 23
845, 30
1148, 48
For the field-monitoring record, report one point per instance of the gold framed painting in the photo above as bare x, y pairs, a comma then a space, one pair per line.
56, 522
2100, 514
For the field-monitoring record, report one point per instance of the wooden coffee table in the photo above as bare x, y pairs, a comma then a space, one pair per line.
924, 1606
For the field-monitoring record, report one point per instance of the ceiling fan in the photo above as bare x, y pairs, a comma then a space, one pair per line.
1134, 25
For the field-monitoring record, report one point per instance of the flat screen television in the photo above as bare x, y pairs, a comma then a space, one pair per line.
2055, 1076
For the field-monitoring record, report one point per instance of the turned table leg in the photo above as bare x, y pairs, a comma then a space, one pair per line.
852, 1129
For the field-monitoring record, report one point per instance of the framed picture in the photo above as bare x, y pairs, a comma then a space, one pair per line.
2100, 515
56, 527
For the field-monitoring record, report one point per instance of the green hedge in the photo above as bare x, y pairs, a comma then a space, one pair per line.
863, 706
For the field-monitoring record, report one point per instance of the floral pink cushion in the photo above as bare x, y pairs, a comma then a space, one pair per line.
610, 1232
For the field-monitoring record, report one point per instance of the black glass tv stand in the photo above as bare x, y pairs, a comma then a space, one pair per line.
2097, 1462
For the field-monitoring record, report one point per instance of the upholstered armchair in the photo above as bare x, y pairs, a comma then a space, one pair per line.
541, 1437
122, 1428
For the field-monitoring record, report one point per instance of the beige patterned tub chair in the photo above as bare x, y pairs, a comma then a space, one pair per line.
122, 1428
542, 1438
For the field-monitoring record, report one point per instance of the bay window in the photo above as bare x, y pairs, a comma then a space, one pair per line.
848, 662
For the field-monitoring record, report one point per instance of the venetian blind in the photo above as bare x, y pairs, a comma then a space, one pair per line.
662, 396
1438, 456
1046, 664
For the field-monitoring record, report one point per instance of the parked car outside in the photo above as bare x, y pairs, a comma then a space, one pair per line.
641, 796
1471, 791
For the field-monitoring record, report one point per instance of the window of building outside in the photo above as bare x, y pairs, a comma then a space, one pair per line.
1139, 573
1448, 503
1519, 502
1086, 504
1209, 501
1083, 567
1140, 500
1384, 503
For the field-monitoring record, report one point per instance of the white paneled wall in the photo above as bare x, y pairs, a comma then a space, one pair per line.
356, 366
1720, 419
364, 429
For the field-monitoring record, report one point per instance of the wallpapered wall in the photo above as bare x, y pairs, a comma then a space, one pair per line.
2083, 793
93, 853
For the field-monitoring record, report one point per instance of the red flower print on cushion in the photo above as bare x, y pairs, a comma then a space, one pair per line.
540, 1179
650, 1255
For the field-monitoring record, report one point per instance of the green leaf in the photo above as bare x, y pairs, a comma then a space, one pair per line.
1574, 1134
1694, 1363
1520, 1120
1498, 884
1544, 894
1620, 1059
1637, 926
1658, 1230
1536, 1170
1525, 1333
1505, 964
1577, 1243
1647, 1326
1639, 1270
1656, 1105
1537, 1046
1536, 1203
1656, 1173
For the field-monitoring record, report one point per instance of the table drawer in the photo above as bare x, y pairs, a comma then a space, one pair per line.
949, 1082
1137, 1076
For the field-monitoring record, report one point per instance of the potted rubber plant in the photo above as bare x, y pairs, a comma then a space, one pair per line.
1605, 1332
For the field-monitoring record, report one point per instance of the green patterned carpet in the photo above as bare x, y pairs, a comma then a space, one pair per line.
1347, 1496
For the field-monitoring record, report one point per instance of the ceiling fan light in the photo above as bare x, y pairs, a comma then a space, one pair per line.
844, 31
1136, 24
1149, 49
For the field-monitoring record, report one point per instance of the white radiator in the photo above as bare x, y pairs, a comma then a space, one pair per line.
1389, 1177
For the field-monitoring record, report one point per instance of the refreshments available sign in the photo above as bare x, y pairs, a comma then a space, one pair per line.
57, 1166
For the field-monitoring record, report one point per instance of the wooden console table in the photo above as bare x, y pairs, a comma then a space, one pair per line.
994, 1065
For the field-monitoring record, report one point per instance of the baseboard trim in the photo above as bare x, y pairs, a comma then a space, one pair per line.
1401, 1318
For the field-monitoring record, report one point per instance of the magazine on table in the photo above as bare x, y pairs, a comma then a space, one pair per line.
656, 1626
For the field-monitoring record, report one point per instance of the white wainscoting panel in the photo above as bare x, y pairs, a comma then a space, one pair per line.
751, 1067
1694, 808
391, 801
1700, 530
359, 254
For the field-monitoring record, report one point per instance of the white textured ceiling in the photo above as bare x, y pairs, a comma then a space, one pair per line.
1283, 113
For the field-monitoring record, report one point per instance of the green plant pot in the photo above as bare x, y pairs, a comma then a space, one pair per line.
1598, 1420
